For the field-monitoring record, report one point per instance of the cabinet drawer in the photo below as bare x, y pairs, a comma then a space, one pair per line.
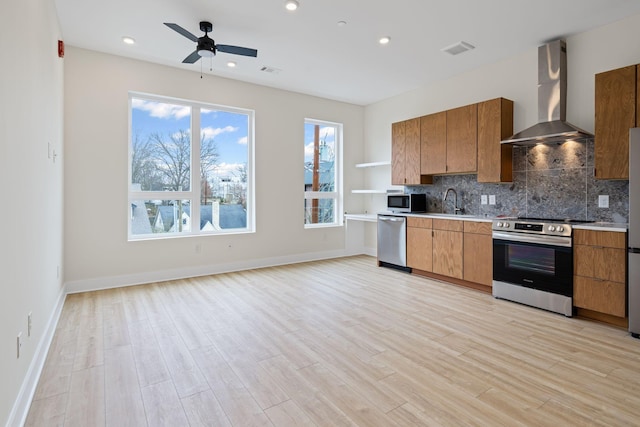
600, 262
448, 224
477, 227
609, 239
599, 295
418, 222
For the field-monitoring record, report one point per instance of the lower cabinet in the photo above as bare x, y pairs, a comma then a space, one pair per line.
478, 253
452, 248
447, 247
599, 267
419, 244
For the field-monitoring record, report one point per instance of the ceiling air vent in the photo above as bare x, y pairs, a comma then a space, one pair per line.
457, 48
270, 70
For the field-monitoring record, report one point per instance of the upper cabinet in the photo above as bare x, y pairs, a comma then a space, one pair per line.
433, 143
462, 139
405, 153
457, 141
617, 109
449, 141
495, 123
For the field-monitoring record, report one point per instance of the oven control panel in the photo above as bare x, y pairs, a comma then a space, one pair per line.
532, 227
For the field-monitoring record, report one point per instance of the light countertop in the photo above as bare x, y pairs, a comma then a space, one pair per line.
597, 226
602, 226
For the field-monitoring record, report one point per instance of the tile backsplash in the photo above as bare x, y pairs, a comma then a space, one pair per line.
549, 181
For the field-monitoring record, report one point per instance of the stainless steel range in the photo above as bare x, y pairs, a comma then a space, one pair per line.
533, 262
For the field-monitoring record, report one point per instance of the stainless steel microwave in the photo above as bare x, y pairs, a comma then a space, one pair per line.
407, 202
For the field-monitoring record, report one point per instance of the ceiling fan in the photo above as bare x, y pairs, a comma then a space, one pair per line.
206, 46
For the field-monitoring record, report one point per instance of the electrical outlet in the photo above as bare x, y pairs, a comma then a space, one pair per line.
492, 199
19, 345
603, 201
483, 199
29, 324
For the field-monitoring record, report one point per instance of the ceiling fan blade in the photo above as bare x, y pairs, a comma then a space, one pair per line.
191, 58
178, 29
236, 50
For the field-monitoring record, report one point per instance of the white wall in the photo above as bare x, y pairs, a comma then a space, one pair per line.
605, 48
31, 215
97, 253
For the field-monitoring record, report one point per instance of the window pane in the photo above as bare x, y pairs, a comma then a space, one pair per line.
319, 157
319, 211
223, 169
160, 146
320, 171
160, 217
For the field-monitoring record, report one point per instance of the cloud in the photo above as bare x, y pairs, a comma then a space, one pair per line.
242, 141
210, 132
226, 170
327, 132
161, 110
308, 150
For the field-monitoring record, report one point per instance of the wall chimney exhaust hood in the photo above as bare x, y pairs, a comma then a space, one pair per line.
552, 126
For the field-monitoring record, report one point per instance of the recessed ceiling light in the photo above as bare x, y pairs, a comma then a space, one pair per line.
231, 64
291, 4
384, 40
342, 23
128, 40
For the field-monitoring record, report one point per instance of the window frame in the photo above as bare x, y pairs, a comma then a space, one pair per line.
338, 194
194, 193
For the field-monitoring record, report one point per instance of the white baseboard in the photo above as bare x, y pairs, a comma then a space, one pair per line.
20, 409
204, 270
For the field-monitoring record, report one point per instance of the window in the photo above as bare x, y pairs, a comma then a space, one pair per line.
322, 173
190, 168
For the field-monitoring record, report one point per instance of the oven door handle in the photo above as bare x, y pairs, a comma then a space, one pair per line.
526, 238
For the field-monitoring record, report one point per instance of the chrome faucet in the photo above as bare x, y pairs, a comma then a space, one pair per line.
456, 209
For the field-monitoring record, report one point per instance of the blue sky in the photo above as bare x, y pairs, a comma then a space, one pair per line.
327, 134
228, 130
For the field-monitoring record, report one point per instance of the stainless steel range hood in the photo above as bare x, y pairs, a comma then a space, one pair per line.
552, 126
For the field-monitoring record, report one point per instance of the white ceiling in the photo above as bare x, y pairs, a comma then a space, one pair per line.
318, 57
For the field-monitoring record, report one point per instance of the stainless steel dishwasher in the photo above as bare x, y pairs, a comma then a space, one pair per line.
392, 241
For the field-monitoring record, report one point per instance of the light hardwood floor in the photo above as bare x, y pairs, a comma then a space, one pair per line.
331, 343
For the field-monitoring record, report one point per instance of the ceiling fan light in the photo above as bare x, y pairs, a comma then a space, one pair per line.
205, 53
291, 4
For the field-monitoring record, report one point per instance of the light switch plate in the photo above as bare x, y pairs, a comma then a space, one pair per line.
483, 199
603, 201
492, 199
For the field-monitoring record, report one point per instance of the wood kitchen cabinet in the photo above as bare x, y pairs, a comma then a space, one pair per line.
433, 143
449, 141
405, 153
454, 250
616, 110
419, 243
599, 267
448, 247
478, 252
462, 139
495, 123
